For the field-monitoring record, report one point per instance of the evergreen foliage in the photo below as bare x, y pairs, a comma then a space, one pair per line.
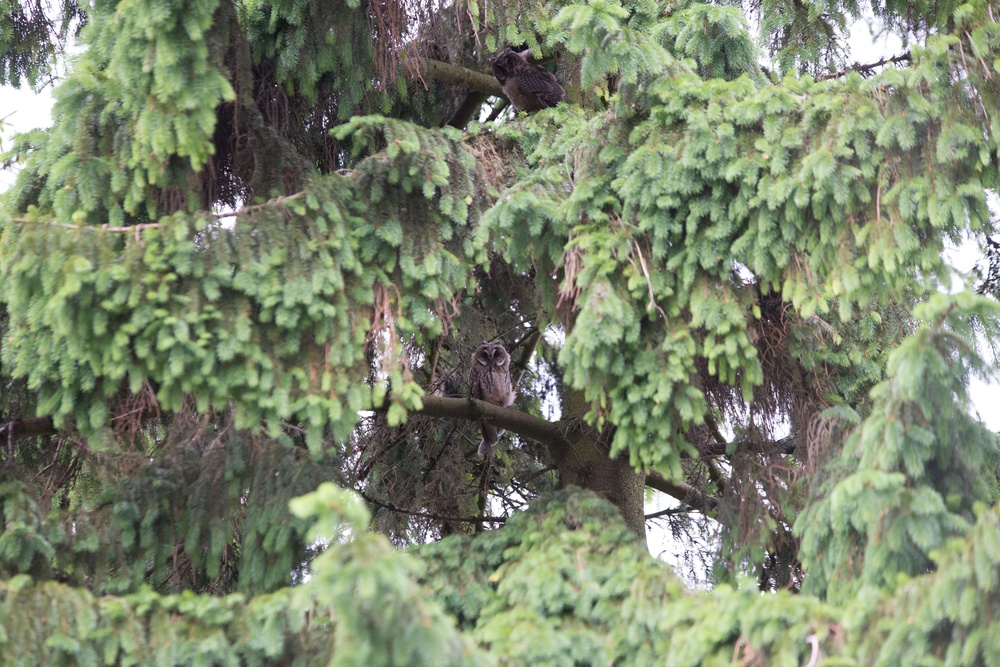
242, 275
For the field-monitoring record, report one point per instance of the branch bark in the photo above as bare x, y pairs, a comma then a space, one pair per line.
683, 492
27, 428
515, 421
484, 83
470, 106
553, 435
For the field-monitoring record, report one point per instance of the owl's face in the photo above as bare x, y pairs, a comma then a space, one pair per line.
492, 356
503, 64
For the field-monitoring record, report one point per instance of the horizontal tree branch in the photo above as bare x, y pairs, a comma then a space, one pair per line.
92, 228
515, 421
155, 225
27, 428
448, 73
667, 512
682, 491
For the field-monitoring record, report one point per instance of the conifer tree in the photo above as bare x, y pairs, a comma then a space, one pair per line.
243, 274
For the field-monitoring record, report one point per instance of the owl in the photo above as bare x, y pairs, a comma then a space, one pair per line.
489, 381
527, 86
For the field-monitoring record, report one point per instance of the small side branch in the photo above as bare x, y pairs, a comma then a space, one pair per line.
136, 229
431, 515
786, 445
673, 511
866, 70
527, 347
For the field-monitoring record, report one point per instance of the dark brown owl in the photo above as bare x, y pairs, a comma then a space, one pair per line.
527, 86
489, 381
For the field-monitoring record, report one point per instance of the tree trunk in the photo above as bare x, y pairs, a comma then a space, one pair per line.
583, 460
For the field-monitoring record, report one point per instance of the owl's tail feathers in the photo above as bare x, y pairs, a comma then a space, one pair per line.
491, 436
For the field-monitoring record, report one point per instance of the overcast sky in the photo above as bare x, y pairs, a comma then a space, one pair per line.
21, 110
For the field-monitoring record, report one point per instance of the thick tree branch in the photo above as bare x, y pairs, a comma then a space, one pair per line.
683, 492
470, 106
448, 73
27, 428
549, 433
515, 421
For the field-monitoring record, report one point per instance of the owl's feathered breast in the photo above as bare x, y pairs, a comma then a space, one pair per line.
489, 379
492, 386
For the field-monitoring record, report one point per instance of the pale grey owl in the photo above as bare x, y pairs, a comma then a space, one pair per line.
489, 381
527, 86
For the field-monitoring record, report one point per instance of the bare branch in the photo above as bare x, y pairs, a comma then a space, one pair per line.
786, 445
866, 70
429, 515
668, 512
